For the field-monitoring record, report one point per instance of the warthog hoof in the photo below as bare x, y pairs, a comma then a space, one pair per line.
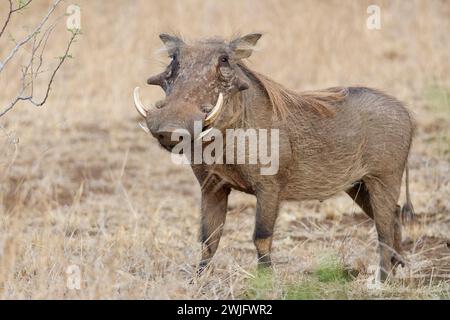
397, 260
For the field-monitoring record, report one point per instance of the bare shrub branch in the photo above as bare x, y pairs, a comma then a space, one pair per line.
11, 11
37, 39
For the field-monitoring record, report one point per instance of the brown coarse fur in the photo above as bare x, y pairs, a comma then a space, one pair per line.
284, 100
353, 139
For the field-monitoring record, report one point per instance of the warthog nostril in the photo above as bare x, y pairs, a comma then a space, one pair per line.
166, 138
164, 135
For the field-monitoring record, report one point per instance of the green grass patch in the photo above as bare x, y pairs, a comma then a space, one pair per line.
438, 100
312, 289
330, 269
328, 281
261, 286
331, 280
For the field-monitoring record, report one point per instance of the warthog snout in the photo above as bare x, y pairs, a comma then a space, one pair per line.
169, 120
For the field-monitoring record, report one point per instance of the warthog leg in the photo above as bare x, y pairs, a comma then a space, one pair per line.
361, 196
213, 214
384, 193
266, 215
397, 258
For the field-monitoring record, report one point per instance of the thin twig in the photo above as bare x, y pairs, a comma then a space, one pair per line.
11, 11
30, 98
29, 36
8, 17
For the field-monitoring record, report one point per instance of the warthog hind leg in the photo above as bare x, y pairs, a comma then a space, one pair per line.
384, 193
360, 194
397, 258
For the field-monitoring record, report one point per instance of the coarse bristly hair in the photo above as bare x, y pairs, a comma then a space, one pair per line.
285, 102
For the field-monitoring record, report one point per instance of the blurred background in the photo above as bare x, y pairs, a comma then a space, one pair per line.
81, 185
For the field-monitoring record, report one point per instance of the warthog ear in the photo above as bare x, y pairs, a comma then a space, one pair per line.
171, 42
243, 46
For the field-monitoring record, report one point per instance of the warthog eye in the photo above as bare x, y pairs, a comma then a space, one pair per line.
223, 59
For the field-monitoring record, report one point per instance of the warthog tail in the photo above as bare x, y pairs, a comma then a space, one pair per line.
408, 213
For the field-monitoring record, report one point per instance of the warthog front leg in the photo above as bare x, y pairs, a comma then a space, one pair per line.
213, 213
266, 215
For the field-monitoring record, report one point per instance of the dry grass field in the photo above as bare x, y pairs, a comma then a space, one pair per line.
81, 185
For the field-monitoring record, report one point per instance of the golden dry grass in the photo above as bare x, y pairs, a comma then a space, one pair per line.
82, 185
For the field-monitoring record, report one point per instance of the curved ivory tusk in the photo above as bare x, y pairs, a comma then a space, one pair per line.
138, 104
215, 111
204, 133
143, 127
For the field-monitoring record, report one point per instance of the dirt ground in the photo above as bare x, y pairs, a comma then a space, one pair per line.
85, 193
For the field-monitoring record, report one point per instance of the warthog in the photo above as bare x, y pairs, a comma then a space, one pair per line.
351, 139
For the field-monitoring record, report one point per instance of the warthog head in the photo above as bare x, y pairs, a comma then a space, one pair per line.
199, 78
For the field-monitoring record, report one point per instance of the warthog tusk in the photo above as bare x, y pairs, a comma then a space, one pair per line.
204, 133
138, 104
144, 127
215, 111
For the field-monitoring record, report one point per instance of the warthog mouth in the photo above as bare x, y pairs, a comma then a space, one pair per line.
210, 117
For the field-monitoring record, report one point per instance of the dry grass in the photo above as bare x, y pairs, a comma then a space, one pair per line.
82, 185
